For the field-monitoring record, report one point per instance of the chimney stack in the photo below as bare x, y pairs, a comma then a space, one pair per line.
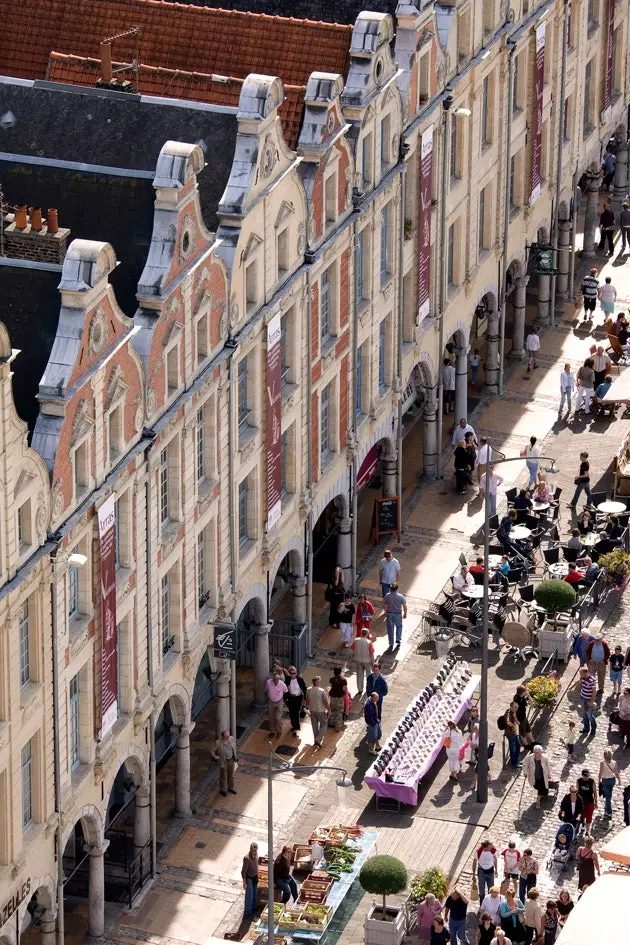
106, 62
52, 221
20, 217
36, 219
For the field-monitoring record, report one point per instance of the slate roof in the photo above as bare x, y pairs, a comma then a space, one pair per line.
176, 83
333, 11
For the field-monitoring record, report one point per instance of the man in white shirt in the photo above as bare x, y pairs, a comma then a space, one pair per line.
463, 579
533, 347
460, 431
388, 571
483, 455
567, 386
448, 383
493, 482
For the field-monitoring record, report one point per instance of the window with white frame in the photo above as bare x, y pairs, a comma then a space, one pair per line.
243, 512
251, 284
463, 35
326, 306
200, 446
489, 16
202, 338
359, 380
568, 118
24, 526
592, 15
487, 111
516, 180
617, 61
325, 423
385, 241
27, 785
456, 148
164, 487
73, 588
287, 328
382, 355
330, 197
81, 462
367, 172
25, 645
75, 722
518, 79
484, 226
589, 100
362, 265
172, 370
386, 140
282, 252
166, 628
202, 570
450, 267
288, 461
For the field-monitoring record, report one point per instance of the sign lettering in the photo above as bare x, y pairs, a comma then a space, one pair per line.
15, 902
109, 630
539, 87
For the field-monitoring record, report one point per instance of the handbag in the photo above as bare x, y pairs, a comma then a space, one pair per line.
474, 890
447, 743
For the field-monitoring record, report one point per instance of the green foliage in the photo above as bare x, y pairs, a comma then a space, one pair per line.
433, 881
408, 228
383, 875
616, 563
543, 691
555, 596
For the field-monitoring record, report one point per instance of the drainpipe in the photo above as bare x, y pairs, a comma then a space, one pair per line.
233, 545
309, 465
511, 44
574, 219
150, 676
556, 210
354, 469
446, 106
56, 750
401, 336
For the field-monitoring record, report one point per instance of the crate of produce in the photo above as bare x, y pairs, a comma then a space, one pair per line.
317, 885
312, 895
278, 909
302, 856
289, 919
318, 915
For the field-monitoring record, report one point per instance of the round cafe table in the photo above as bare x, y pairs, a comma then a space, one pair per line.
590, 539
611, 508
559, 570
540, 506
520, 532
475, 591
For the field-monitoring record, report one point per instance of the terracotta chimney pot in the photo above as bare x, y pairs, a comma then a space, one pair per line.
106, 62
36, 219
20, 217
52, 221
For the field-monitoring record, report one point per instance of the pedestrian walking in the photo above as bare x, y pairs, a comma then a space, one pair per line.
607, 295
453, 745
582, 481
585, 385
364, 614
486, 928
607, 228
523, 700
491, 482
377, 683
571, 807
533, 916
550, 923
624, 716
500, 938
460, 431
448, 385
511, 731
461, 467
363, 650
589, 290
567, 386
484, 864
581, 645
346, 619
336, 697
609, 162
282, 875
587, 791
475, 361
276, 690
533, 347
587, 862
455, 909
512, 912
528, 871
389, 571
471, 452
319, 708
440, 935
624, 226
564, 905
334, 594
616, 671
296, 693
598, 657
226, 754
427, 911
569, 740
531, 453
373, 723
608, 776
249, 875
491, 902
538, 773
586, 684
483, 455
395, 612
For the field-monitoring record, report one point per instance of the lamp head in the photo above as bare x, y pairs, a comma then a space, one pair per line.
552, 469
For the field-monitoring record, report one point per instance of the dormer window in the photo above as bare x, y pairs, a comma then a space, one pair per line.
172, 370
251, 284
81, 467
282, 252
367, 174
24, 526
115, 432
330, 197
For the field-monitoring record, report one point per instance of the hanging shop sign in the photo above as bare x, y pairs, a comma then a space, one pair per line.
610, 56
424, 223
109, 630
539, 87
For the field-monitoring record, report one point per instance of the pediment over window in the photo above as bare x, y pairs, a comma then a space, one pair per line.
26, 476
172, 334
252, 245
116, 388
82, 423
286, 210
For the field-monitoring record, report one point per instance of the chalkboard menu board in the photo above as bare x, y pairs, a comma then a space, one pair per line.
386, 517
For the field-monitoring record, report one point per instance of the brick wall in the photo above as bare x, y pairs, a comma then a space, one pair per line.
315, 435
344, 288
343, 403
39, 246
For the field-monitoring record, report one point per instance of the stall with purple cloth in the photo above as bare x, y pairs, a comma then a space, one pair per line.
423, 735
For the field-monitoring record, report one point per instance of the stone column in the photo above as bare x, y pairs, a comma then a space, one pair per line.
591, 218
390, 467
96, 888
47, 928
491, 366
519, 301
620, 181
261, 664
544, 291
429, 438
299, 599
564, 245
142, 819
182, 769
461, 383
223, 698
344, 549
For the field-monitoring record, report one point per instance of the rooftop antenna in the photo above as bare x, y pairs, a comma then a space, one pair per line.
107, 69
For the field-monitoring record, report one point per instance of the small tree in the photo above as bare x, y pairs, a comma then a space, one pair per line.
383, 876
555, 597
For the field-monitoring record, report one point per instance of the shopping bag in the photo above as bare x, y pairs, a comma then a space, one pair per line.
462, 751
474, 891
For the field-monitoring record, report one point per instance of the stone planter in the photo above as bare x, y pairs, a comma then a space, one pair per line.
378, 932
560, 640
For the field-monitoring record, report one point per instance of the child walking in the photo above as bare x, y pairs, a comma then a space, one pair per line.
570, 741
616, 670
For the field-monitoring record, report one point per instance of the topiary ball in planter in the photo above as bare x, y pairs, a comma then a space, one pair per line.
555, 596
383, 876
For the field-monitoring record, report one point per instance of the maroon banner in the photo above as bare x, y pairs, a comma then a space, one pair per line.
109, 656
424, 223
274, 420
610, 51
539, 86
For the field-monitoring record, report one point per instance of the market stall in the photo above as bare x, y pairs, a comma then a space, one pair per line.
618, 848
331, 860
418, 738
598, 914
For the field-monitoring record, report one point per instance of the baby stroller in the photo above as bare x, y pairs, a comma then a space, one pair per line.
563, 845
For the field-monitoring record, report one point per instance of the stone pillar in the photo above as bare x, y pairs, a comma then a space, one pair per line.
344, 550
491, 366
591, 217
564, 246
182, 769
47, 927
390, 467
461, 383
620, 181
299, 599
429, 437
142, 819
519, 301
223, 698
261, 664
96, 888
544, 290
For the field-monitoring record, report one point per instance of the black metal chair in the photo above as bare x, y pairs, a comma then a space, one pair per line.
493, 522
551, 556
571, 554
597, 498
510, 494
496, 549
557, 494
477, 577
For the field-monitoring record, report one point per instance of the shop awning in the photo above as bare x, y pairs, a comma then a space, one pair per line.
618, 848
597, 917
368, 468
619, 392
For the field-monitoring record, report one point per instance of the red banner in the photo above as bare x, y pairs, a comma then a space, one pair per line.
109, 656
424, 223
539, 86
274, 420
610, 52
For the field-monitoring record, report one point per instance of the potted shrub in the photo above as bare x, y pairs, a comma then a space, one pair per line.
555, 597
616, 564
408, 228
543, 690
433, 881
384, 876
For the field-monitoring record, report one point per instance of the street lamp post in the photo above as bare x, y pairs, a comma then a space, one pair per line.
343, 782
482, 754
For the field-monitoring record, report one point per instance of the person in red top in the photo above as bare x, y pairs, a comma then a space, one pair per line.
511, 857
364, 613
477, 567
574, 576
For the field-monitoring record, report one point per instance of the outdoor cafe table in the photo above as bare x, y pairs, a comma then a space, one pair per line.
590, 539
473, 591
407, 792
559, 570
540, 506
520, 532
611, 508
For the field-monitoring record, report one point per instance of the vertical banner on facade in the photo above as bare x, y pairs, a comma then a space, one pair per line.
610, 52
109, 657
539, 85
424, 223
274, 420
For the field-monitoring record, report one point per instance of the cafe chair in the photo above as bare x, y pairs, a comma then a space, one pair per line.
477, 577
496, 550
493, 522
463, 560
510, 494
551, 556
571, 554
520, 640
521, 516
557, 494
597, 498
